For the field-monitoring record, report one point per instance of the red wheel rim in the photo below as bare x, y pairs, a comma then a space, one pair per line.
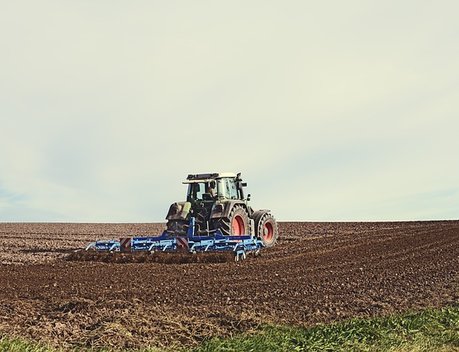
237, 225
268, 232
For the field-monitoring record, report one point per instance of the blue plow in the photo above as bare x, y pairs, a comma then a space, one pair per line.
214, 242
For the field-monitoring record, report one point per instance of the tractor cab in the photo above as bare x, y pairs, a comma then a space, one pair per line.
201, 191
211, 187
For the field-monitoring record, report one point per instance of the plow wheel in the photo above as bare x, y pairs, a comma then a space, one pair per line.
267, 229
237, 223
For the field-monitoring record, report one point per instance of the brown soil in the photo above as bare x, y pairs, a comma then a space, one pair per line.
147, 257
318, 272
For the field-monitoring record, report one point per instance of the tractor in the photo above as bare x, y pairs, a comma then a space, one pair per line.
214, 224
217, 201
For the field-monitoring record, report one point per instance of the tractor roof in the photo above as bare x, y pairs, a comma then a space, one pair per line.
208, 177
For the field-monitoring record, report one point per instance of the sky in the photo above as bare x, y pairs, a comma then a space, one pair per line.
332, 110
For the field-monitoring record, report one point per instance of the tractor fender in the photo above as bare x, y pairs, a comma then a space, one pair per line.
178, 211
256, 216
223, 209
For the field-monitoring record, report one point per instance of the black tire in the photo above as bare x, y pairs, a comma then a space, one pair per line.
237, 223
266, 229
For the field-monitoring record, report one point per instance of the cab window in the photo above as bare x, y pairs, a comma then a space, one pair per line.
222, 189
232, 188
195, 191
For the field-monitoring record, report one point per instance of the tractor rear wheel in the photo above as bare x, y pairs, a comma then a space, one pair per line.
236, 224
267, 230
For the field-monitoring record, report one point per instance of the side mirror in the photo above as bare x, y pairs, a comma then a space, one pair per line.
248, 197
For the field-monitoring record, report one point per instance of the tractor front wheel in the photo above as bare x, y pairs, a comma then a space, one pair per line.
267, 230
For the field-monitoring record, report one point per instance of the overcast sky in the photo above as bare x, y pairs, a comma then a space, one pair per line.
332, 110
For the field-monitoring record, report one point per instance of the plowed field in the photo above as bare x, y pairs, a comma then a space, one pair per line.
318, 272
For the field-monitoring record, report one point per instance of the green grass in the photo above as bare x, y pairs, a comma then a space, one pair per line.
16, 345
429, 330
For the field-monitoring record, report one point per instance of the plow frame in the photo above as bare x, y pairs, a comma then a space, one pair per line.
215, 242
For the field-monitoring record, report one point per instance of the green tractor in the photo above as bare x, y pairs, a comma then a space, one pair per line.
217, 201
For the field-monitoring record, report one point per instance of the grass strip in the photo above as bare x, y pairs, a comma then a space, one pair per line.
429, 330
18, 345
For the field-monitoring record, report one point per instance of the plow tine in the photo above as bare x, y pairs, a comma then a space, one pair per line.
90, 246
